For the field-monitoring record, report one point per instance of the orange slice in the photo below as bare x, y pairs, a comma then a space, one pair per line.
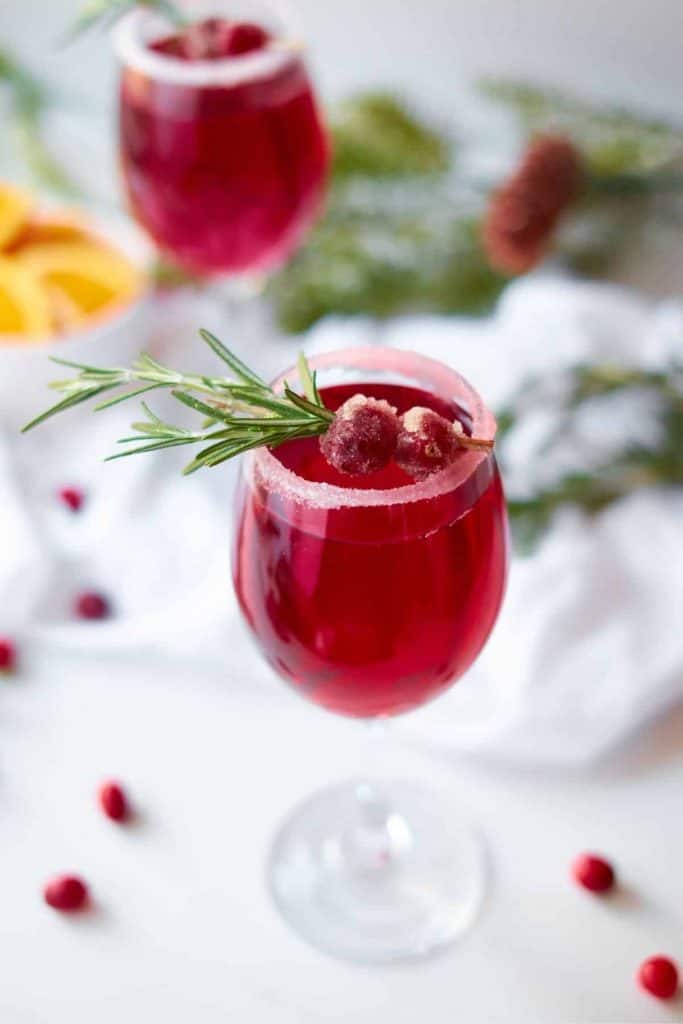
92, 277
15, 207
24, 306
54, 228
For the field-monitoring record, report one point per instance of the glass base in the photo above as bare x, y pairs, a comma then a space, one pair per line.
377, 873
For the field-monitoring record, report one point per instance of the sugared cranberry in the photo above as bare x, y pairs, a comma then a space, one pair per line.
92, 606
113, 801
8, 655
593, 872
659, 977
362, 437
66, 892
72, 498
426, 442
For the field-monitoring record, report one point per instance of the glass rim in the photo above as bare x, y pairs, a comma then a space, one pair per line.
443, 380
127, 37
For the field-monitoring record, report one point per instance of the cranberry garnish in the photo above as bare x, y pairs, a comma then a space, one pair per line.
212, 39
66, 892
8, 655
426, 442
244, 38
593, 872
113, 801
72, 498
659, 977
92, 606
362, 437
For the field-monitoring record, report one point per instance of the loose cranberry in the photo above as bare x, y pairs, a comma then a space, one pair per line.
659, 977
426, 442
8, 655
593, 872
66, 892
113, 801
92, 606
362, 437
72, 498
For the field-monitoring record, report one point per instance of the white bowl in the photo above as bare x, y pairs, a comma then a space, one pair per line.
25, 366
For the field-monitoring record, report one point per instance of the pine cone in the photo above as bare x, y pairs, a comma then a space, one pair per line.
523, 214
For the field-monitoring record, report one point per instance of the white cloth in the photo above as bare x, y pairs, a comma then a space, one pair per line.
588, 646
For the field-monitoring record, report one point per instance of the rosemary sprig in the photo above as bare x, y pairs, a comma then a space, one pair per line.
103, 14
239, 412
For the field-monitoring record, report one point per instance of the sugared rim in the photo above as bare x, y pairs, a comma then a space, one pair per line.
444, 381
131, 33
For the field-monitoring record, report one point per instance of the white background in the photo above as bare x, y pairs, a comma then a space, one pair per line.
183, 930
625, 50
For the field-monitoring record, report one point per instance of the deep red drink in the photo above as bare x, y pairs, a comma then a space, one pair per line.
225, 177
371, 609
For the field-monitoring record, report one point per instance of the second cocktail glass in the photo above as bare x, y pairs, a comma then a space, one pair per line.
224, 160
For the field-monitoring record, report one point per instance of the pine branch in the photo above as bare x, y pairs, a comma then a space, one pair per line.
594, 488
375, 135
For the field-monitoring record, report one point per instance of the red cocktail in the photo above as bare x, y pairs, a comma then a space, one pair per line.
371, 594
224, 159
371, 610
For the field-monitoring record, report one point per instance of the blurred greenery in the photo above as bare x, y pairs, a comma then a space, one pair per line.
373, 135
401, 230
612, 140
636, 464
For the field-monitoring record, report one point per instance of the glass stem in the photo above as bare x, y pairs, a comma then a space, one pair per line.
379, 835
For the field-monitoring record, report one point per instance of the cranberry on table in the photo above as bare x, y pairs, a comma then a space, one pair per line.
113, 801
659, 976
8, 655
66, 893
593, 872
93, 606
72, 497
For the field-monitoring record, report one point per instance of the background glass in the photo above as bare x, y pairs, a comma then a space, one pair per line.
224, 161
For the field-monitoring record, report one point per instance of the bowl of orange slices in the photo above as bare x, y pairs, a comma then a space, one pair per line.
73, 285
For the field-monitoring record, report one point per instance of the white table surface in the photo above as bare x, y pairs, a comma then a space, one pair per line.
183, 929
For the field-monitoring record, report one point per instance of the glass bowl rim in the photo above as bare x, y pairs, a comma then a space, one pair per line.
442, 379
127, 41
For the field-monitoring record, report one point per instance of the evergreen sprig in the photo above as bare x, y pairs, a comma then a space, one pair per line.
591, 489
238, 412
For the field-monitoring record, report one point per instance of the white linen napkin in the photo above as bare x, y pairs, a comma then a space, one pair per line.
588, 646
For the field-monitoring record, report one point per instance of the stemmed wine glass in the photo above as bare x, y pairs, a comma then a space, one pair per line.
224, 160
371, 595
